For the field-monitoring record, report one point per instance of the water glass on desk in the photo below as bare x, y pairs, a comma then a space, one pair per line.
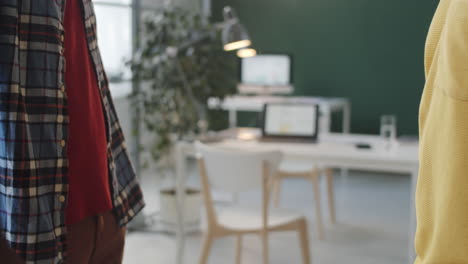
388, 131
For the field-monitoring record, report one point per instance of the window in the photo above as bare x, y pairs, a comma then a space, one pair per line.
115, 33
114, 23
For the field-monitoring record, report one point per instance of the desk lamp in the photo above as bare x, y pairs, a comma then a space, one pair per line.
235, 35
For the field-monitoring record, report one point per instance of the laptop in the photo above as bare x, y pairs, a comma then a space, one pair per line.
291, 122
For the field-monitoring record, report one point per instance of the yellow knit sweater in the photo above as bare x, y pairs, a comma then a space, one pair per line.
442, 192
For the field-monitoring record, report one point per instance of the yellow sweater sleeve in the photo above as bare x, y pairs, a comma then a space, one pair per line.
453, 57
442, 191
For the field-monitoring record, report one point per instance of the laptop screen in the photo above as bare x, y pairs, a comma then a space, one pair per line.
290, 120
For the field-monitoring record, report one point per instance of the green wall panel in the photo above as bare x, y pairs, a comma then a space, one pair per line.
370, 51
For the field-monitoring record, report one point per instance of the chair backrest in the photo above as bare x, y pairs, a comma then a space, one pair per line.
236, 170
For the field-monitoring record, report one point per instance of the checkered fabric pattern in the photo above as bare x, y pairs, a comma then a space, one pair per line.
34, 130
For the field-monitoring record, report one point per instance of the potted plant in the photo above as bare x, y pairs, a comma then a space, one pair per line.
180, 65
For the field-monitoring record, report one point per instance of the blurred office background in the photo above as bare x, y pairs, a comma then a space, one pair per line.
368, 53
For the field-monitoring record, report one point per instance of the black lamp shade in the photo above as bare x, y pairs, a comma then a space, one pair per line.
234, 36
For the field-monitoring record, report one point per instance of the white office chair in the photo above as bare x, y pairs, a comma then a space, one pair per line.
239, 171
311, 172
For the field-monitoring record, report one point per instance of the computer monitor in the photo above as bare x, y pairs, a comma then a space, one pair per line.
266, 74
288, 120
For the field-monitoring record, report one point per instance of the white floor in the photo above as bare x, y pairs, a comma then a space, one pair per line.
373, 217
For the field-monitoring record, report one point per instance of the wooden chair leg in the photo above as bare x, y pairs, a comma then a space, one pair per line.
331, 195
304, 239
318, 206
238, 249
276, 191
208, 241
265, 251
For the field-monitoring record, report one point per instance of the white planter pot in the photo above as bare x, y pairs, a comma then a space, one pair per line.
191, 209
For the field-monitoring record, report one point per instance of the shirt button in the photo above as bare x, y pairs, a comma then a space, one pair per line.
62, 143
62, 88
62, 37
61, 198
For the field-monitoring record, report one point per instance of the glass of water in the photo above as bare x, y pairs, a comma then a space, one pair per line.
388, 130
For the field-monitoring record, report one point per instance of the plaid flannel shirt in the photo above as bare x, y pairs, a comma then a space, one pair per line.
34, 129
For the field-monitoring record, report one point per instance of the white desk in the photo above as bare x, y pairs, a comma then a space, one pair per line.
334, 150
255, 104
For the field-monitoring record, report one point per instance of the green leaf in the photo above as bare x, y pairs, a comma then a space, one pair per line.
173, 99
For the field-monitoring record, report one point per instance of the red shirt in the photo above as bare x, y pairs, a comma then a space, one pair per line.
89, 187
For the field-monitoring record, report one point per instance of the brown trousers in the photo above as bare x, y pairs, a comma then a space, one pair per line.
8, 255
94, 240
